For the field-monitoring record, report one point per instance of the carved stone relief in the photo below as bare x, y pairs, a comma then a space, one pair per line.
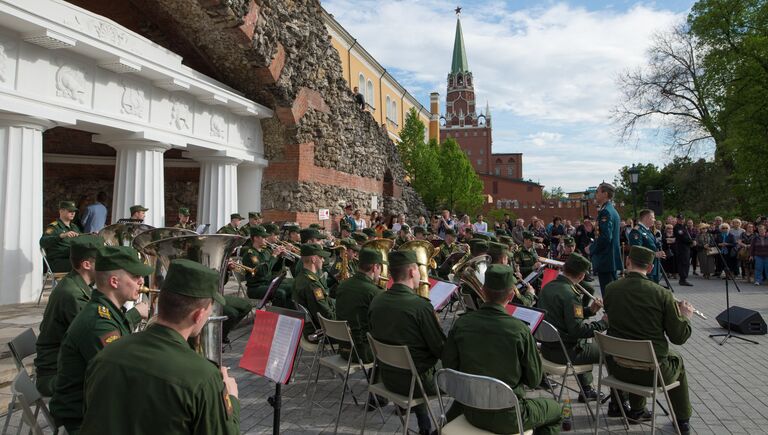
133, 101
71, 83
218, 126
181, 115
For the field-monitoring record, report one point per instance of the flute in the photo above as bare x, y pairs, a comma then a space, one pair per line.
695, 311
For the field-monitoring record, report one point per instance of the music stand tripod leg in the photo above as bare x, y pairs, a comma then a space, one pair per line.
276, 403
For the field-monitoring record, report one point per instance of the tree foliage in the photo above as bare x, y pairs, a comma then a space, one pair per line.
553, 193
440, 173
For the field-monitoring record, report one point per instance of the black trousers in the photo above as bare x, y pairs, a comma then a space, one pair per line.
683, 262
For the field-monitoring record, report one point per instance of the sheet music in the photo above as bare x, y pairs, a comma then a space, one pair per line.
202, 229
530, 316
530, 277
440, 292
281, 349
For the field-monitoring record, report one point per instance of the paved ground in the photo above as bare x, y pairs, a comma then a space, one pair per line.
728, 383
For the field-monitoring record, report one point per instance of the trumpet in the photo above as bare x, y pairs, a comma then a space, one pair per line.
289, 254
148, 291
240, 267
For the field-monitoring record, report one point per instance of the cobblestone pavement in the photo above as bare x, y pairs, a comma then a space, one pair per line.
728, 383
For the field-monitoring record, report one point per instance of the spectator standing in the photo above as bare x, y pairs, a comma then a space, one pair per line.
95, 215
758, 251
695, 246
585, 234
480, 225
726, 243
668, 244
398, 223
736, 231
359, 220
445, 222
744, 245
683, 244
517, 231
705, 240
556, 234
359, 98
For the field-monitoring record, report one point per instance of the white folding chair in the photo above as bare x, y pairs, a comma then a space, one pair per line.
22, 346
397, 357
23, 389
638, 354
50, 276
480, 392
546, 333
338, 330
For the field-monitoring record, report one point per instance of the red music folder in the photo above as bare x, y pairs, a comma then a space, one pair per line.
549, 275
272, 346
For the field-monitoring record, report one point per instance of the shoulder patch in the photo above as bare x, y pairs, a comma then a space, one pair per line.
110, 337
319, 294
312, 277
49, 230
578, 311
104, 312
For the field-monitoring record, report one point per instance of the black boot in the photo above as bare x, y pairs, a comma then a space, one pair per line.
685, 426
590, 394
614, 411
425, 423
635, 417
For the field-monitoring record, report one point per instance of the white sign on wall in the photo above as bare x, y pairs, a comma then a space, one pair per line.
323, 214
374, 202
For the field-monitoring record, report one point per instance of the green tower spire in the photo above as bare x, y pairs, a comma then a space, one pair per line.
459, 63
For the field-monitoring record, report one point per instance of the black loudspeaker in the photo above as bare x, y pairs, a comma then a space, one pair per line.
743, 321
654, 200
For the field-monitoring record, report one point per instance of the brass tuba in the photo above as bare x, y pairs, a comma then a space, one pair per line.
425, 253
383, 246
123, 234
472, 273
211, 251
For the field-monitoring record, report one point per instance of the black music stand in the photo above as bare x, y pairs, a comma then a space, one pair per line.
728, 276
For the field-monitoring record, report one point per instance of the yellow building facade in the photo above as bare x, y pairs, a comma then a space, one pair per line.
386, 100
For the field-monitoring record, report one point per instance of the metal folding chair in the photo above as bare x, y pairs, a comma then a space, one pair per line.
26, 394
308, 346
22, 346
397, 357
640, 354
338, 330
50, 276
546, 333
481, 392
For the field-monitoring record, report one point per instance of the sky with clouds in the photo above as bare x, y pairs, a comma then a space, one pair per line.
547, 69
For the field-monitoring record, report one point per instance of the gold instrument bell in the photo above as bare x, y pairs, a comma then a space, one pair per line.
383, 246
425, 253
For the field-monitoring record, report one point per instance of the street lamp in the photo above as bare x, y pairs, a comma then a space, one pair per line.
585, 204
634, 178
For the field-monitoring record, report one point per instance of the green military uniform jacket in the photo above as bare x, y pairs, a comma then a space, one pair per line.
310, 292
566, 312
526, 258
399, 241
229, 229
160, 386
398, 316
65, 302
353, 299
187, 226
98, 324
56, 248
490, 342
642, 236
263, 261
643, 310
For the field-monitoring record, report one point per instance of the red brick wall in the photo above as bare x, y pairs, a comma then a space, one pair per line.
474, 144
506, 189
547, 213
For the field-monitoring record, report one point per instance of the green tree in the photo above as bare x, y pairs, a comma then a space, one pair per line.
649, 178
553, 193
420, 160
461, 188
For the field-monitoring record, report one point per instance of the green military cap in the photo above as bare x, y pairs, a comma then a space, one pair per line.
405, 227
292, 228
359, 237
419, 230
493, 238
478, 244
500, 232
351, 243
450, 232
370, 232
506, 239
577, 264
315, 226
481, 236
527, 235
311, 233
371, 256
184, 211
121, 257
138, 207
388, 234
192, 279
235, 216
402, 258
499, 277
309, 249
67, 205
85, 246
497, 248
345, 226
254, 215
569, 241
640, 256
271, 228
259, 231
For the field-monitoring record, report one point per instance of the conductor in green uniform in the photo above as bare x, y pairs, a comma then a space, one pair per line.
401, 317
67, 299
119, 275
353, 299
566, 312
159, 384
58, 236
490, 342
309, 290
643, 310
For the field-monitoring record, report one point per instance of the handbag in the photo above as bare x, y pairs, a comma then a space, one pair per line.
744, 254
712, 250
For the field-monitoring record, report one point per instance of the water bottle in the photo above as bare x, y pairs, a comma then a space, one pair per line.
567, 417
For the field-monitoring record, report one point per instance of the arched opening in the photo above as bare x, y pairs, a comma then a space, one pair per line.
389, 184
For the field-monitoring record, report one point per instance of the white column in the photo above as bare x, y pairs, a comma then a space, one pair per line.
21, 205
139, 179
249, 177
217, 197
